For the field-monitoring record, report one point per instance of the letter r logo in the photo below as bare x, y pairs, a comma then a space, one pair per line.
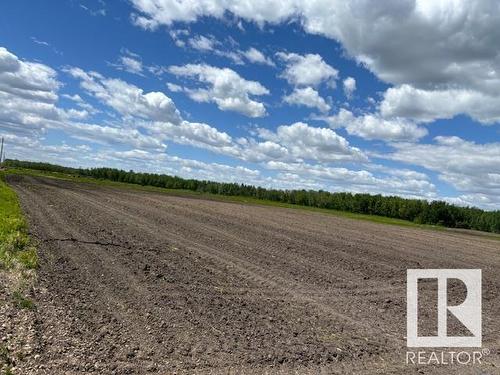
468, 313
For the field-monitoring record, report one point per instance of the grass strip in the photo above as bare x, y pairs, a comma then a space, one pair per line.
15, 244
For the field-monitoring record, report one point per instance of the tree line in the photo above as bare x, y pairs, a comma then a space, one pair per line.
415, 210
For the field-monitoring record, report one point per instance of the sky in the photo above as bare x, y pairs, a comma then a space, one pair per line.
393, 97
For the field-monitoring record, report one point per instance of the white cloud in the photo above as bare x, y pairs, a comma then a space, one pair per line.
77, 99
160, 12
436, 37
308, 97
187, 168
227, 48
29, 148
28, 107
304, 142
174, 88
127, 99
373, 126
112, 135
149, 119
27, 80
442, 48
472, 168
154, 113
195, 134
349, 86
178, 36
213, 171
28, 94
129, 62
341, 179
307, 70
254, 151
202, 43
225, 87
28, 98
429, 105
255, 56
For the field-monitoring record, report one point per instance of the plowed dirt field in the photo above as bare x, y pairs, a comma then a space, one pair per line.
143, 282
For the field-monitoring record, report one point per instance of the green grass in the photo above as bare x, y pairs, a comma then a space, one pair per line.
22, 302
15, 244
5, 360
236, 199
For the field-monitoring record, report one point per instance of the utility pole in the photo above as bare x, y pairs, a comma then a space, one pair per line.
1, 153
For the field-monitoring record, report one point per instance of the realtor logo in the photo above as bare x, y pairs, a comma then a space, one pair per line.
468, 312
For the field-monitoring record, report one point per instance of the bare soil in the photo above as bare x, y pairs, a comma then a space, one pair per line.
137, 282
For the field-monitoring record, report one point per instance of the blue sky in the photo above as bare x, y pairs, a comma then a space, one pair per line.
393, 98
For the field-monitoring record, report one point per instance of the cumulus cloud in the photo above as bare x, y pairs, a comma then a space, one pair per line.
472, 168
155, 162
224, 87
178, 36
189, 168
195, 134
429, 105
305, 142
339, 178
154, 13
308, 97
307, 70
373, 126
28, 94
27, 147
129, 62
112, 135
77, 99
209, 44
227, 48
28, 107
255, 56
127, 99
349, 86
433, 36
174, 88
436, 47
240, 57
27, 80
203, 43
154, 113
254, 151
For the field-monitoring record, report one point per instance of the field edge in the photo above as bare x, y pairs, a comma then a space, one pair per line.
18, 264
